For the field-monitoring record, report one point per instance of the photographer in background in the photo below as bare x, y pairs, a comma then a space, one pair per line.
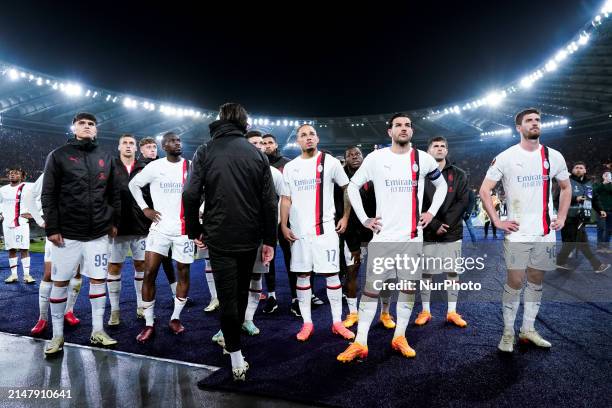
602, 195
574, 233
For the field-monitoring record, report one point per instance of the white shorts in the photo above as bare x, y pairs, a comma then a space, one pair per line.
258, 266
442, 257
48, 247
16, 237
316, 253
383, 265
183, 249
92, 256
120, 246
539, 254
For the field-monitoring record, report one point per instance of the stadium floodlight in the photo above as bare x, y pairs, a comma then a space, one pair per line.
31, 77
526, 82
561, 55
550, 66
114, 99
266, 121
129, 103
278, 122
108, 98
39, 81
583, 39
55, 86
13, 74
607, 8
88, 92
285, 122
494, 98
22, 74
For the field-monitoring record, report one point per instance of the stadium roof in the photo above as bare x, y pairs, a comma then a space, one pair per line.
573, 89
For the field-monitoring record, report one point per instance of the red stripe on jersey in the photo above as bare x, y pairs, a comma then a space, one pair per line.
182, 208
545, 189
319, 195
55, 300
99, 295
302, 287
18, 205
415, 197
334, 287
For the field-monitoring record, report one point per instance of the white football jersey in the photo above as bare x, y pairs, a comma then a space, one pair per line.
527, 177
166, 181
10, 205
310, 184
399, 193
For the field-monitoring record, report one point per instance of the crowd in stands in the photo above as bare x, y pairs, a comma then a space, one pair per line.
29, 149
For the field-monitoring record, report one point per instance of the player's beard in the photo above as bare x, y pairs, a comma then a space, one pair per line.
532, 135
309, 150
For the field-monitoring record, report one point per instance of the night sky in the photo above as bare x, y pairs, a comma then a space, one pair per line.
312, 62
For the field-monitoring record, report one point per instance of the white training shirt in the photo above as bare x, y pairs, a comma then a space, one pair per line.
166, 181
399, 195
526, 177
31, 200
310, 184
10, 205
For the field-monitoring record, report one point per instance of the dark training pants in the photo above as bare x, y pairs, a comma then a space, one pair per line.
232, 275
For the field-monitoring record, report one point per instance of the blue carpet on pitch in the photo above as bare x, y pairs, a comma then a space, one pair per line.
454, 366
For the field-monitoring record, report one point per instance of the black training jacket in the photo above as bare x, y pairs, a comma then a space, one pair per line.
241, 205
80, 197
452, 210
133, 220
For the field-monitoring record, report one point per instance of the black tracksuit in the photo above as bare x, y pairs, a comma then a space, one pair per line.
80, 197
240, 213
452, 210
574, 233
133, 220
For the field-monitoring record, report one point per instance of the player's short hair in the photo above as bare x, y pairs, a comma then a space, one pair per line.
167, 136
301, 126
146, 140
579, 163
234, 113
395, 116
518, 119
125, 135
270, 135
437, 139
84, 115
253, 133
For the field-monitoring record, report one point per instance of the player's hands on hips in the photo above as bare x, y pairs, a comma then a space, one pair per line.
151, 214
603, 214
508, 226
356, 256
425, 219
267, 253
27, 216
288, 234
341, 226
113, 232
374, 224
57, 240
200, 242
557, 224
442, 230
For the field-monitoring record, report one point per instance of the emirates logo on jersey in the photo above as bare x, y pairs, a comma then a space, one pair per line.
101, 163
